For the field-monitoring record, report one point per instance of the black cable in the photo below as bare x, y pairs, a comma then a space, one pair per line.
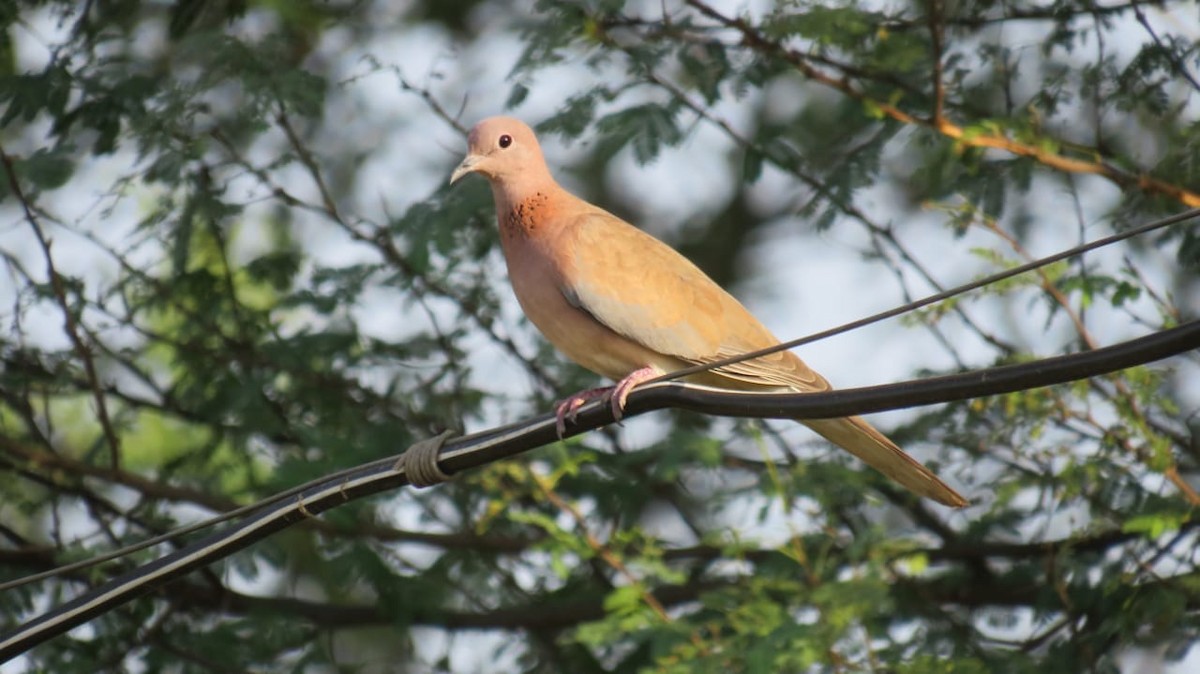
483, 448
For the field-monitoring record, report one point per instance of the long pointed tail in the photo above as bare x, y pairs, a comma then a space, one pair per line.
860, 438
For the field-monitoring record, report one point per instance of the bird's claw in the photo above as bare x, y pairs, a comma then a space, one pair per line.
616, 396
569, 408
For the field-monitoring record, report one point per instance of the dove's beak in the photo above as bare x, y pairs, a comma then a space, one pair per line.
469, 164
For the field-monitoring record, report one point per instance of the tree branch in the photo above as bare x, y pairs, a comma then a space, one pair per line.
1044, 152
69, 326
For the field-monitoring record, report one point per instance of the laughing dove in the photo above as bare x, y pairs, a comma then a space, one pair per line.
627, 306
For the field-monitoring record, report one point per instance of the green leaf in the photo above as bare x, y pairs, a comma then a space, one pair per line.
1189, 250
1154, 525
517, 96
47, 169
752, 164
647, 127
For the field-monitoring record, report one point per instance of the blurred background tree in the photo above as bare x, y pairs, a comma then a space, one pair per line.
232, 265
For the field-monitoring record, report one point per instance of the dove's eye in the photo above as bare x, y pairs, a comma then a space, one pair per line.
505, 141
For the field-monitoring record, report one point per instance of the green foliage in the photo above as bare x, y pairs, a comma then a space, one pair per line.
647, 128
46, 169
233, 307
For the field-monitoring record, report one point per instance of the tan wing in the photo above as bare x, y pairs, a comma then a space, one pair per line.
647, 292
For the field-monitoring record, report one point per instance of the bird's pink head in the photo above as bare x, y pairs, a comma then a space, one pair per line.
505, 151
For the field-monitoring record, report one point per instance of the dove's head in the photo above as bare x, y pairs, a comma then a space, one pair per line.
502, 149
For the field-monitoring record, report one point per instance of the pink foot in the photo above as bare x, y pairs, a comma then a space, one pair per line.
617, 395
569, 408
621, 391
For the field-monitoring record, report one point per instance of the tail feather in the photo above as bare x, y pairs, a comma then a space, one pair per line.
861, 439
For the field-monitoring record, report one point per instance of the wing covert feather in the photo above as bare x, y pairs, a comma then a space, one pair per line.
647, 292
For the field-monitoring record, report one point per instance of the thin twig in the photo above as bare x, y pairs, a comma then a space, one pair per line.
934, 9
69, 324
